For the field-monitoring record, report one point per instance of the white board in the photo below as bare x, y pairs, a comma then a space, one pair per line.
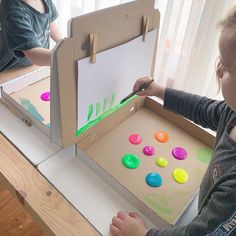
104, 84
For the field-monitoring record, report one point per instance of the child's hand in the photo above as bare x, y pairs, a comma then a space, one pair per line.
152, 90
128, 224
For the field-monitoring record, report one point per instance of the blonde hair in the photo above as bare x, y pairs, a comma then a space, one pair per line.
227, 39
229, 20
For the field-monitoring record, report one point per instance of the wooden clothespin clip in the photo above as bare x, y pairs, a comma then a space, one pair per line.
145, 23
93, 38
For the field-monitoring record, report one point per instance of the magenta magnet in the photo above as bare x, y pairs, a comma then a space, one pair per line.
179, 153
46, 96
149, 150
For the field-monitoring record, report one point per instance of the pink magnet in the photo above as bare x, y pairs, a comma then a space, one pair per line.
135, 139
149, 150
46, 96
179, 153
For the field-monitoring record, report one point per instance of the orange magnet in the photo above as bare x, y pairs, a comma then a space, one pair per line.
161, 136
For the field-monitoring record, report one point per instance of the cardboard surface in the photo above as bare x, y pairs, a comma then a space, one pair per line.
168, 201
22, 82
30, 99
34, 144
14, 73
114, 26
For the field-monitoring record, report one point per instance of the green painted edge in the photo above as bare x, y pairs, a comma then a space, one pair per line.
102, 117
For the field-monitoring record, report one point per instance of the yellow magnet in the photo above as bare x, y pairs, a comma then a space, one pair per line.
180, 175
162, 162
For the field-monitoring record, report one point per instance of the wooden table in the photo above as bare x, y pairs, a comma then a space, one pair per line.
45, 204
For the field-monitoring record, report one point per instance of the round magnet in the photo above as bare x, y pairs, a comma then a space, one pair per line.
180, 175
179, 153
46, 96
135, 139
131, 161
161, 136
149, 150
162, 162
154, 179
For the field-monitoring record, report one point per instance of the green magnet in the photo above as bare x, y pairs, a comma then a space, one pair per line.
131, 161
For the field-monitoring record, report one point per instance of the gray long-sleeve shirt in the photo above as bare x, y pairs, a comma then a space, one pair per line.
217, 196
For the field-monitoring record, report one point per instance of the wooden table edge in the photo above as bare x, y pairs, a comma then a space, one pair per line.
44, 203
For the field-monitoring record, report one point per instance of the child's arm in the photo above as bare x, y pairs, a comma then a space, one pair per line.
152, 90
55, 32
216, 217
39, 56
201, 110
42, 56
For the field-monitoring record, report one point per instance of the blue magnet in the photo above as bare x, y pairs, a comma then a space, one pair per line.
154, 179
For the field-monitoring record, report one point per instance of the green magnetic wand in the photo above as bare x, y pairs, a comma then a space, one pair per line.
142, 87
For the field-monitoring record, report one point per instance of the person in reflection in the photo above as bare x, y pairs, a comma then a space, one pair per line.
217, 196
26, 27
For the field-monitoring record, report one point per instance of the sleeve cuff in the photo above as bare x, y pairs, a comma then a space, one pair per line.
54, 17
27, 46
152, 232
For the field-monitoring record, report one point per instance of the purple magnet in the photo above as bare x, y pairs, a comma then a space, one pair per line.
149, 150
46, 96
179, 153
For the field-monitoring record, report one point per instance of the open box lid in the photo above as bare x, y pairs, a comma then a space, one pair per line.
113, 27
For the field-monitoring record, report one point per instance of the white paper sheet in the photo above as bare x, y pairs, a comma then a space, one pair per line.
113, 75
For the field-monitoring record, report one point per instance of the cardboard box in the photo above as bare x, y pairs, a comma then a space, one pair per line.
166, 204
103, 145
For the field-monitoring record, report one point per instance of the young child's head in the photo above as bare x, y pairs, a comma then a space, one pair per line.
226, 69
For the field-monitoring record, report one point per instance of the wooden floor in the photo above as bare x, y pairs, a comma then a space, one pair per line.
14, 220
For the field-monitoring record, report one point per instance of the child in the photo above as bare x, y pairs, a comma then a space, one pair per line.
217, 196
25, 30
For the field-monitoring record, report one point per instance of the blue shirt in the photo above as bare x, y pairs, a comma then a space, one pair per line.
22, 28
